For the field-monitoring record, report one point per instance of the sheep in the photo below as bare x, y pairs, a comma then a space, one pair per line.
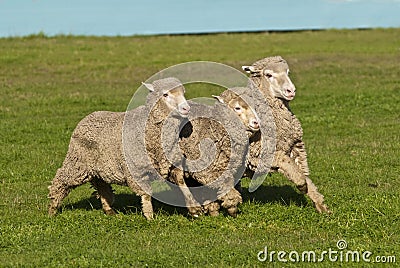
246, 105
230, 132
98, 153
271, 77
213, 143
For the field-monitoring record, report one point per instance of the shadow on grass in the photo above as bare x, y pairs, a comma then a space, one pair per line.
126, 204
130, 203
284, 195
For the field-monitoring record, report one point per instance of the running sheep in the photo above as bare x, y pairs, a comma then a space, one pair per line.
271, 77
106, 148
220, 163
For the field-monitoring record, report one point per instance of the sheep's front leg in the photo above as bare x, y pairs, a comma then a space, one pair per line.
212, 208
287, 167
231, 201
192, 205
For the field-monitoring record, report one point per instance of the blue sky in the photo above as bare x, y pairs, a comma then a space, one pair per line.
128, 17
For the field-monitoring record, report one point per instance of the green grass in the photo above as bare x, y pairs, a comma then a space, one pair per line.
348, 102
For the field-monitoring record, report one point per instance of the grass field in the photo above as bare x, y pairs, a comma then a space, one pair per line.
348, 100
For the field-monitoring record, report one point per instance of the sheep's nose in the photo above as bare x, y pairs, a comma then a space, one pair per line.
254, 124
290, 93
184, 108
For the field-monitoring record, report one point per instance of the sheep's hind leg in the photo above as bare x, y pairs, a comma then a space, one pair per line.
192, 205
316, 197
57, 192
147, 206
61, 186
299, 156
106, 195
289, 169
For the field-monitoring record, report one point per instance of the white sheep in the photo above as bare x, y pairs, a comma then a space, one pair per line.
229, 131
247, 105
98, 152
271, 77
220, 163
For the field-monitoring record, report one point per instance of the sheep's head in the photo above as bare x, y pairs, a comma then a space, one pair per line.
170, 92
273, 75
246, 114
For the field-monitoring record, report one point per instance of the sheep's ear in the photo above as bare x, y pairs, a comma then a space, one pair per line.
249, 69
150, 87
218, 98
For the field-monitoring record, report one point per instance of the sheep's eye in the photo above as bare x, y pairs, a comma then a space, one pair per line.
165, 94
237, 108
268, 75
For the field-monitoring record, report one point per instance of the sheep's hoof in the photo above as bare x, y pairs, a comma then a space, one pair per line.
322, 208
52, 211
233, 211
148, 216
213, 213
194, 215
212, 209
195, 212
110, 212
